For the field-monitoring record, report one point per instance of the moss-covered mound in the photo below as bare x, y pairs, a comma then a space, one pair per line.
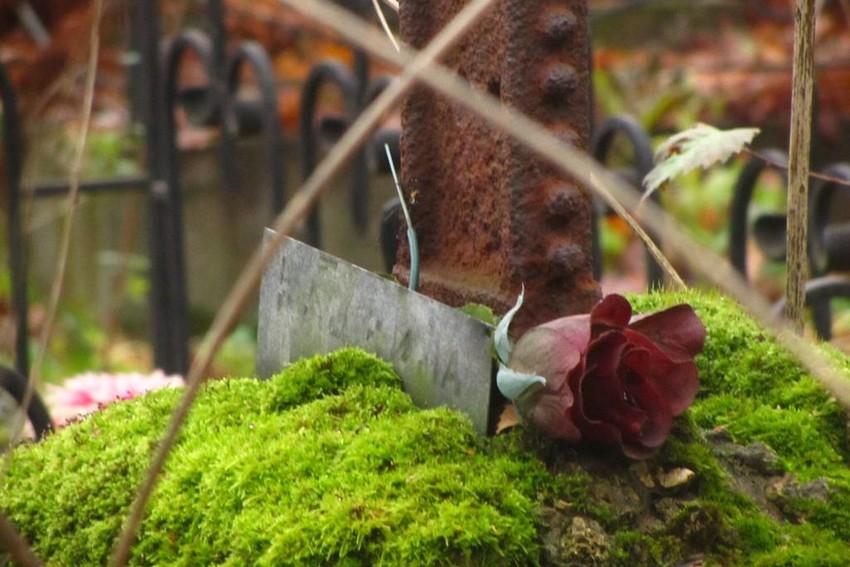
329, 463
769, 445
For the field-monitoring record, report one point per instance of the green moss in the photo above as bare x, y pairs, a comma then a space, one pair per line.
632, 548
757, 534
758, 392
337, 470
800, 436
806, 548
329, 463
326, 375
755, 388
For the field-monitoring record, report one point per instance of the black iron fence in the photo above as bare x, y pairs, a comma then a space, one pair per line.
155, 95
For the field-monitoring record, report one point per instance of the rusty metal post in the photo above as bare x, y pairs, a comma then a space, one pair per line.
490, 215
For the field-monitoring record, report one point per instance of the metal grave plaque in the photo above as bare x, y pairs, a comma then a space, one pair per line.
312, 303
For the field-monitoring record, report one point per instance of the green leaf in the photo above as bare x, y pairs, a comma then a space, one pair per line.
699, 146
500, 338
512, 383
481, 312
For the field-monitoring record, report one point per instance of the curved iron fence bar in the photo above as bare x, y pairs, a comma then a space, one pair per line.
166, 345
218, 31
334, 73
12, 142
641, 145
739, 208
634, 132
824, 255
376, 86
15, 384
202, 104
15, 381
166, 195
253, 55
168, 349
820, 291
820, 203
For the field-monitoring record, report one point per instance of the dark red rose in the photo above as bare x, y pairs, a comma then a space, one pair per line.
610, 377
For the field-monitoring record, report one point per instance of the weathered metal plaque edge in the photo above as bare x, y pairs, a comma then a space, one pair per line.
314, 303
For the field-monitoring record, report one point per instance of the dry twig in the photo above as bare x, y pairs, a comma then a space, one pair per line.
783, 167
16, 545
701, 259
65, 244
577, 164
294, 213
9, 536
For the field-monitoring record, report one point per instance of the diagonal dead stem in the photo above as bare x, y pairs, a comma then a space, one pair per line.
702, 260
67, 229
288, 220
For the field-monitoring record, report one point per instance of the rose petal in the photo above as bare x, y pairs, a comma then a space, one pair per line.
642, 393
600, 389
550, 415
638, 452
551, 350
676, 381
600, 397
613, 312
677, 331
611, 377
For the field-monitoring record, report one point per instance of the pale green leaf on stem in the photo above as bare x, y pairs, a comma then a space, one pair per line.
699, 146
512, 384
500, 338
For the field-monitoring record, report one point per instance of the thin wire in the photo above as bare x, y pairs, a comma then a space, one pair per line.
412, 241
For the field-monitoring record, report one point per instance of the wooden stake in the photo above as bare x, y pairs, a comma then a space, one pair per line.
798, 164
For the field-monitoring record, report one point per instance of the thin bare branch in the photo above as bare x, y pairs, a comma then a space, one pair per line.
65, 244
653, 248
812, 174
11, 540
701, 259
16, 545
294, 213
523, 129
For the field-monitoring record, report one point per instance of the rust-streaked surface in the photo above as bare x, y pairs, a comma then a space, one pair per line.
490, 215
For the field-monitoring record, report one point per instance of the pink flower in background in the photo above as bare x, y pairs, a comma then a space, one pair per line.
83, 394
